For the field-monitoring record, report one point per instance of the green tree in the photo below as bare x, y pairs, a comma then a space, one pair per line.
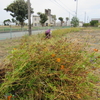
75, 21
43, 18
54, 19
61, 19
19, 11
67, 20
7, 22
93, 22
14, 21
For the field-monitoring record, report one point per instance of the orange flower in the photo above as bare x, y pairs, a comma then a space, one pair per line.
62, 66
14, 48
58, 59
9, 97
53, 55
87, 72
96, 50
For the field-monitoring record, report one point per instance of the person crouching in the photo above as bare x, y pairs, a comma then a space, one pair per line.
48, 33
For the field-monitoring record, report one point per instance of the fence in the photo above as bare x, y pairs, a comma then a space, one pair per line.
11, 31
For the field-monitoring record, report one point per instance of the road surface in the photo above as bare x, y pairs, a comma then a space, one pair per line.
17, 34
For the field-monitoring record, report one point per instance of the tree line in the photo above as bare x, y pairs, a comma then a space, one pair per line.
19, 12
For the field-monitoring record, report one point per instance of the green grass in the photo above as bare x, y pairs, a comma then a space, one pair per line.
49, 69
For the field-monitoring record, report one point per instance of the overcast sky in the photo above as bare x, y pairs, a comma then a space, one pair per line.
86, 10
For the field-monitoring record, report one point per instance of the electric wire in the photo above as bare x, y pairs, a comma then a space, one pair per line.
61, 6
65, 6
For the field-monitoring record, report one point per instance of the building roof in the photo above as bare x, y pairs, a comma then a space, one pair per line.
35, 16
95, 19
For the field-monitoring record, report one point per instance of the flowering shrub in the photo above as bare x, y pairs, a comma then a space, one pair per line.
51, 69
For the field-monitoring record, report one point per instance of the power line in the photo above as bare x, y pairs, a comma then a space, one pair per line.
61, 6
65, 5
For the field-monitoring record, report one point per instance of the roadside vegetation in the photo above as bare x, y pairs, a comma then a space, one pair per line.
49, 69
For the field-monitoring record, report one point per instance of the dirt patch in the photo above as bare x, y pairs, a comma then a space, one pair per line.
91, 40
6, 46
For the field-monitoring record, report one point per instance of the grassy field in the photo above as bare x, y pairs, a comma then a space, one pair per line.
50, 69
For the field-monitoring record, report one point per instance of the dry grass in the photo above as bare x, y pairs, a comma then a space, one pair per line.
77, 38
6, 46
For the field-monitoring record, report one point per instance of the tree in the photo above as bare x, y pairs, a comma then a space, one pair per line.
7, 22
54, 18
75, 21
19, 11
61, 19
14, 21
93, 22
67, 20
43, 18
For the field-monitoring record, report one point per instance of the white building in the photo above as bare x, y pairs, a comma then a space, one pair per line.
35, 20
98, 19
50, 22
80, 23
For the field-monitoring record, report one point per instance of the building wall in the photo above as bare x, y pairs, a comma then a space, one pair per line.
35, 20
50, 21
80, 24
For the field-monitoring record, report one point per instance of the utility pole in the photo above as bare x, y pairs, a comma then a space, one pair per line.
69, 16
85, 18
29, 17
76, 6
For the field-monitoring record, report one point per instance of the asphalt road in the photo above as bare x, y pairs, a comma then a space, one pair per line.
17, 34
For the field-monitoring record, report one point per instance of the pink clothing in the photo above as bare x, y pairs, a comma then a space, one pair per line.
48, 31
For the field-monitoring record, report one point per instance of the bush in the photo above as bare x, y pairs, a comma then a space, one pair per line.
94, 22
86, 24
51, 69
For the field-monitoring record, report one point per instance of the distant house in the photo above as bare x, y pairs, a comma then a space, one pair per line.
63, 24
35, 20
96, 19
50, 22
80, 23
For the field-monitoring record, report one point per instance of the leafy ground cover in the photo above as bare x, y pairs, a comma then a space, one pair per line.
50, 69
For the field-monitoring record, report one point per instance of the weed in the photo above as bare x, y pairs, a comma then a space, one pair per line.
51, 69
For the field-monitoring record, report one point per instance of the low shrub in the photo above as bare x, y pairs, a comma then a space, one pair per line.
86, 24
